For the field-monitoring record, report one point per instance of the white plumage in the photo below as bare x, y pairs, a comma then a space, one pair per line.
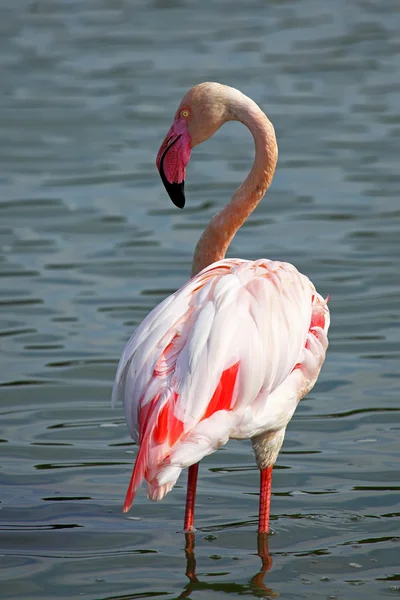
258, 329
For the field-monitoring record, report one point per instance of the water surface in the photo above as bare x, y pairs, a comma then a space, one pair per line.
90, 243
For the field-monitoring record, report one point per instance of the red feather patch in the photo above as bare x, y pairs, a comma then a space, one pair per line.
222, 397
168, 428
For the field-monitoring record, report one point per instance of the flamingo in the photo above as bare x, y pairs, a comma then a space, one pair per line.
233, 351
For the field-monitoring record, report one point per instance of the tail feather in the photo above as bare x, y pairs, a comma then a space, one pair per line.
138, 474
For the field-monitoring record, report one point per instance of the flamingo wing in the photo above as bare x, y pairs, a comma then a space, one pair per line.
230, 336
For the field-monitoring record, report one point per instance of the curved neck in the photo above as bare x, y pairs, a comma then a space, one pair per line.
219, 233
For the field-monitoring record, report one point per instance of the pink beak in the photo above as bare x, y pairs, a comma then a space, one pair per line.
172, 158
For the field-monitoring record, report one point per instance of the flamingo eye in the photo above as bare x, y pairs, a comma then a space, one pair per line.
184, 113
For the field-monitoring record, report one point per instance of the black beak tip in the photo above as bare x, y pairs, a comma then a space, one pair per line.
176, 192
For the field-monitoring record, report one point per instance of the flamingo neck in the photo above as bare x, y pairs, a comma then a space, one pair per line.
219, 233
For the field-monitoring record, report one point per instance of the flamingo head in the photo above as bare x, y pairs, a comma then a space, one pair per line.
201, 112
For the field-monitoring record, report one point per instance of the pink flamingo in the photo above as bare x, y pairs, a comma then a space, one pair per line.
232, 352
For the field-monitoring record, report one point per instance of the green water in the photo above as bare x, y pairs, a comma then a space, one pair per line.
89, 243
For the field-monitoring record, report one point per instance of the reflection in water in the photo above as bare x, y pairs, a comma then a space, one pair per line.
256, 585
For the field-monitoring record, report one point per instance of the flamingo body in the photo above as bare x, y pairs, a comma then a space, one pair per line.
232, 352
229, 355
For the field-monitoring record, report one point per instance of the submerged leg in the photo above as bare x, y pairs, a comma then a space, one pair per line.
190, 498
265, 499
257, 582
263, 552
190, 557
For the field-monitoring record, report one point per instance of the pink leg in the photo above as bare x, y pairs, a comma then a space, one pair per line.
265, 499
190, 498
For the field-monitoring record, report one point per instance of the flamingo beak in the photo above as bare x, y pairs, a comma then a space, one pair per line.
172, 159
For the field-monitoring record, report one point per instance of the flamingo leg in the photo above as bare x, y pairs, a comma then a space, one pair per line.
191, 498
265, 499
257, 582
263, 552
190, 557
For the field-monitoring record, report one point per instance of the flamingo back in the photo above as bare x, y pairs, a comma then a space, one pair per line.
211, 353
